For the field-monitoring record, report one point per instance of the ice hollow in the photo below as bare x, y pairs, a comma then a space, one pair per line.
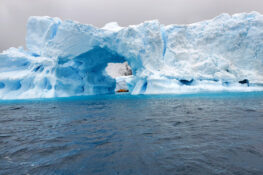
66, 58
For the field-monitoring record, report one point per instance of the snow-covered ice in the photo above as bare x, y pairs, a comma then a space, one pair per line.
66, 58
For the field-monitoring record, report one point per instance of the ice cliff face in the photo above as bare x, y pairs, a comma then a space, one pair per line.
66, 58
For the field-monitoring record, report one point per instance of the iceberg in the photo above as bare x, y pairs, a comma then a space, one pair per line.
66, 58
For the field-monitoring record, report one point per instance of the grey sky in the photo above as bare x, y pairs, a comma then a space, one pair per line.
14, 13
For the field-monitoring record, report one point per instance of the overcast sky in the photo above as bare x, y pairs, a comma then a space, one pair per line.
14, 13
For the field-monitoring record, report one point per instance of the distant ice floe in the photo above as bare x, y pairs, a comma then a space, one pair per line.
66, 58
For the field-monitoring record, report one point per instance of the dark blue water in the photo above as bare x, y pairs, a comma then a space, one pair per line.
104, 135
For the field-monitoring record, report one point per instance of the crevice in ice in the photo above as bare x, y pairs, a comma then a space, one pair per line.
144, 87
186, 82
39, 68
226, 83
164, 38
54, 29
35, 55
208, 79
245, 81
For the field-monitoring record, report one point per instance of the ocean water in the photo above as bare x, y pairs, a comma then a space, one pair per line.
220, 133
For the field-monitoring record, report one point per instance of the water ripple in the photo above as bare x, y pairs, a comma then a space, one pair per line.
128, 135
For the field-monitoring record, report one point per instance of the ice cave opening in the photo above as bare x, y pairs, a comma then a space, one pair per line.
87, 73
115, 70
121, 72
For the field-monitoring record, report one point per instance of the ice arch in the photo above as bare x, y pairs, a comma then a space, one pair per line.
85, 74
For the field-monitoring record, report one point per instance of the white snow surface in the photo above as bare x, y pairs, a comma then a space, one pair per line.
118, 69
66, 58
